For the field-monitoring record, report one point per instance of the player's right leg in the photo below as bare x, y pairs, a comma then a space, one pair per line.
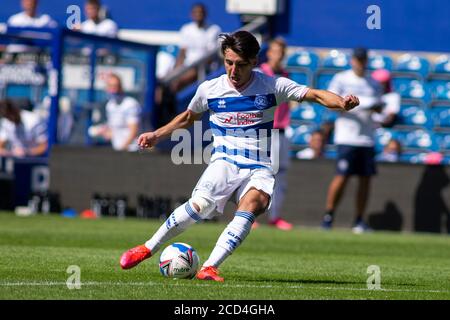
182, 217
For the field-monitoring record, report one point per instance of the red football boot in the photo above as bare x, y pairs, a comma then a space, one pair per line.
134, 256
209, 273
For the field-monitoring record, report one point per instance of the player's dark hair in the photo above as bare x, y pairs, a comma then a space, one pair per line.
96, 3
199, 5
9, 111
241, 42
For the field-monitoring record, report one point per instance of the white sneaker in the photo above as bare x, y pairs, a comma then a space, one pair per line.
361, 227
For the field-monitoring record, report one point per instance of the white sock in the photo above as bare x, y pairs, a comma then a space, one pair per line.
181, 218
233, 235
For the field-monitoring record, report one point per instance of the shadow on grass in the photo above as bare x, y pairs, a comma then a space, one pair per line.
302, 281
325, 282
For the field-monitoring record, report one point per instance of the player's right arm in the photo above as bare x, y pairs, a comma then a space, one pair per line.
194, 111
183, 120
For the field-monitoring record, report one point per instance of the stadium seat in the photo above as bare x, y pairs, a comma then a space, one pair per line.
440, 89
412, 89
382, 137
307, 112
414, 116
323, 78
172, 49
18, 90
441, 117
442, 65
420, 140
444, 141
336, 60
302, 134
379, 61
412, 66
302, 65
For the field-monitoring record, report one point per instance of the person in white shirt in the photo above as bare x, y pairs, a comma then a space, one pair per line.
29, 17
354, 137
94, 24
123, 117
241, 106
197, 38
22, 133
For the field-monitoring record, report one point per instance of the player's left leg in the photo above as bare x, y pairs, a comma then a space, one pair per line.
366, 170
254, 195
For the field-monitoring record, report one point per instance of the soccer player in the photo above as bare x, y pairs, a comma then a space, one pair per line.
242, 99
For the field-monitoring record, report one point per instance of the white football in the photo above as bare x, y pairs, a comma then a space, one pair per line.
179, 261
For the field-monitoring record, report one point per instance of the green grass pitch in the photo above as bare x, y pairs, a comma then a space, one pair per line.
301, 264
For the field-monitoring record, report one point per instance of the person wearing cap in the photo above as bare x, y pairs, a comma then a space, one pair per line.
354, 137
390, 99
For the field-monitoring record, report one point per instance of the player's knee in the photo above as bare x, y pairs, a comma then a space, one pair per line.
203, 205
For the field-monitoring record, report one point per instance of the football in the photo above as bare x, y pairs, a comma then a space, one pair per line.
179, 261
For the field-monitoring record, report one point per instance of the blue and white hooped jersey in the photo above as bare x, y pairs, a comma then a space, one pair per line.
242, 121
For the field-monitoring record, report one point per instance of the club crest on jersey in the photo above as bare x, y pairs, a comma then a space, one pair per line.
221, 104
261, 102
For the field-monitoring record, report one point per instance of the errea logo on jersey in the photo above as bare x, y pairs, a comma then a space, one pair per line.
222, 104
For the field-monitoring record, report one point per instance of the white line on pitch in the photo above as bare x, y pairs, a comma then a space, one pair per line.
151, 284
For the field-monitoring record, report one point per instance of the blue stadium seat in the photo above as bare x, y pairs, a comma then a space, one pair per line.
379, 61
304, 59
442, 65
382, 137
440, 89
307, 112
336, 60
172, 49
18, 90
421, 140
412, 89
323, 79
302, 134
414, 116
441, 117
301, 67
412, 65
444, 141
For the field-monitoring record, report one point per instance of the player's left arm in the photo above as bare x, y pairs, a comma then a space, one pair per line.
331, 100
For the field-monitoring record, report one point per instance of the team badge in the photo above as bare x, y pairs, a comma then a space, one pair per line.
261, 102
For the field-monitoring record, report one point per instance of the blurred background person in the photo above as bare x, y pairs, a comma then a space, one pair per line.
95, 23
197, 38
280, 147
390, 99
316, 147
391, 151
22, 133
30, 17
123, 117
354, 137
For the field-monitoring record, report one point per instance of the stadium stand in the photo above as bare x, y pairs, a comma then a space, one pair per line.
423, 80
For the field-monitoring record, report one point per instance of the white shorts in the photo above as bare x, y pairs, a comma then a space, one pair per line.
221, 179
